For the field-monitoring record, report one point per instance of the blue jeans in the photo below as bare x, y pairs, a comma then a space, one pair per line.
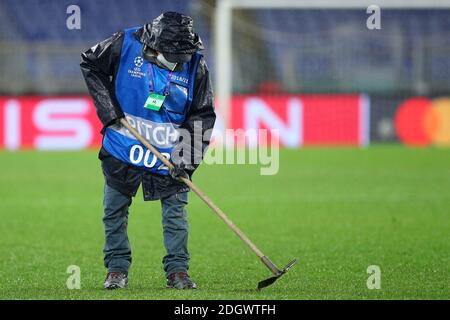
117, 250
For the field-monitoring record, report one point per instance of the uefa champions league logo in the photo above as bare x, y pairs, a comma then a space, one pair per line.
136, 71
138, 62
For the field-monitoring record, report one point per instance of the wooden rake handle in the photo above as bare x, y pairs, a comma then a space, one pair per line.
199, 192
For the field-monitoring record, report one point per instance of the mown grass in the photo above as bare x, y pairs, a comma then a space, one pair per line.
337, 210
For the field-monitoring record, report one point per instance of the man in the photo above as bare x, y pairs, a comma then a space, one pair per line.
156, 78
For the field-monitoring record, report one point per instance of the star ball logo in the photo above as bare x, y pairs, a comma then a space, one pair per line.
138, 61
136, 71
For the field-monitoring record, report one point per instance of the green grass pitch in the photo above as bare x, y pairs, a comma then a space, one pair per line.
337, 210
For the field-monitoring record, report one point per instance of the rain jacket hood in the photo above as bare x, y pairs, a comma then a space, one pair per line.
172, 32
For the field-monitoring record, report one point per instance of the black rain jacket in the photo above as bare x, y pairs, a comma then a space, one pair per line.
99, 66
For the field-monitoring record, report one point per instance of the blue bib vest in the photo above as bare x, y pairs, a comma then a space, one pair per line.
132, 88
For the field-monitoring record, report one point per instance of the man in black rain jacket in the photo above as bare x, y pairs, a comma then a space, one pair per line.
115, 71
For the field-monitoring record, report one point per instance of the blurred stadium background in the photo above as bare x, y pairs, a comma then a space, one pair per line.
314, 71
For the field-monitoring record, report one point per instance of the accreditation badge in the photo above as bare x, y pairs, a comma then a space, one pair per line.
154, 101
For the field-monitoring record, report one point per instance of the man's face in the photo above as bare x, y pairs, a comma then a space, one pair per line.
177, 58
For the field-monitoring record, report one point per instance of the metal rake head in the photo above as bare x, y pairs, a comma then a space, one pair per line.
267, 282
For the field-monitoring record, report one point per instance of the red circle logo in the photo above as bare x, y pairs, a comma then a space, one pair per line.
410, 121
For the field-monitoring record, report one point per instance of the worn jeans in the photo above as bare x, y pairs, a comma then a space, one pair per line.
117, 250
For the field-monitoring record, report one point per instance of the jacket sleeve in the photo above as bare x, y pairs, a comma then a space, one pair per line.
199, 120
99, 65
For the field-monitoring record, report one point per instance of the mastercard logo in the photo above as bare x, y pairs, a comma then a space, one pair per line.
422, 122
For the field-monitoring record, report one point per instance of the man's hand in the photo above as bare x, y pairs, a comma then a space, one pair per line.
178, 171
116, 121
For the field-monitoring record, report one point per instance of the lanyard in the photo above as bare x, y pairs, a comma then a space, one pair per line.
150, 80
